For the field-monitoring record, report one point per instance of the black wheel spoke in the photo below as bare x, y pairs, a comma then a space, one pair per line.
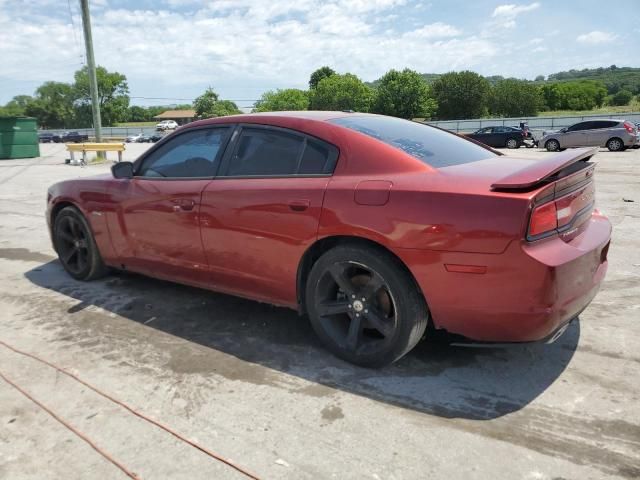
355, 331
69, 254
371, 288
66, 236
377, 321
82, 258
337, 271
333, 307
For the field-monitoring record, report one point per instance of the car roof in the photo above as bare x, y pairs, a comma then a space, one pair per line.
316, 115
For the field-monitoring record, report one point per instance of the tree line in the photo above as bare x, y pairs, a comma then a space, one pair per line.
405, 94
453, 95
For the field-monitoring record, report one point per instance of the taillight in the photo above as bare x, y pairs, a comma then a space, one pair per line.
543, 219
562, 213
628, 127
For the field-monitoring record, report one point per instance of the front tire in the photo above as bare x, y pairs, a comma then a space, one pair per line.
615, 145
364, 306
552, 145
76, 247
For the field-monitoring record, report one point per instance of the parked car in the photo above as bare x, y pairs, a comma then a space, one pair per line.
374, 226
150, 138
74, 137
133, 138
46, 137
167, 125
509, 137
616, 135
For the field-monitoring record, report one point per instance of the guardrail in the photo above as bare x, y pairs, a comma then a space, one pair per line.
535, 123
471, 125
107, 132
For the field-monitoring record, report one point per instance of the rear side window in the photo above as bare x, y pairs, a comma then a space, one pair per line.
430, 145
318, 158
269, 152
605, 124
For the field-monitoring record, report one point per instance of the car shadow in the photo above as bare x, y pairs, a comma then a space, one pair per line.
443, 380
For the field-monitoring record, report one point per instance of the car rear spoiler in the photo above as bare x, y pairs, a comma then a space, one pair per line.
544, 170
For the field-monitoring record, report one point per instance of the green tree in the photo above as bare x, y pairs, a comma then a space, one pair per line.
16, 106
622, 97
52, 105
319, 74
282, 100
574, 95
113, 96
209, 105
404, 94
138, 114
461, 95
515, 98
341, 92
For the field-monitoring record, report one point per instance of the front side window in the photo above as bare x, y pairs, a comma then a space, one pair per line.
269, 152
192, 154
430, 145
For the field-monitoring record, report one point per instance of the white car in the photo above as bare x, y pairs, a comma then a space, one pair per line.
167, 125
133, 138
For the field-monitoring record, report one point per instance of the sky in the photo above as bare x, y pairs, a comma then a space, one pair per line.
172, 50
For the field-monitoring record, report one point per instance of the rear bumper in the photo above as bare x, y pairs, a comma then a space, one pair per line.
525, 294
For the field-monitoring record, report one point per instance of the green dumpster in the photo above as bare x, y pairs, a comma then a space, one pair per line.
18, 137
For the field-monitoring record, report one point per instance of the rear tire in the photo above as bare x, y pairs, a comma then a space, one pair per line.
364, 306
76, 247
512, 143
615, 144
552, 145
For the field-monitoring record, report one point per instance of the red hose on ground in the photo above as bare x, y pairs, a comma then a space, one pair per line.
126, 407
72, 428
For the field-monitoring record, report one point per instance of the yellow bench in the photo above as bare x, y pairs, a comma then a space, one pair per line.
94, 147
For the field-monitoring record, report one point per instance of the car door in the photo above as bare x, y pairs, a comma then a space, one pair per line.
483, 135
500, 136
576, 135
601, 132
157, 223
262, 211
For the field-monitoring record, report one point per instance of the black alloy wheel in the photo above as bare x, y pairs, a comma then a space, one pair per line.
364, 307
75, 245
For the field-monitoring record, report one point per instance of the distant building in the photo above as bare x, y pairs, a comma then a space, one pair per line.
179, 116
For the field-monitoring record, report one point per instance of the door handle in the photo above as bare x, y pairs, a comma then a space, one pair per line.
183, 204
299, 205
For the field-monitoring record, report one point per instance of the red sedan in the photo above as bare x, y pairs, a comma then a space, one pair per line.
379, 229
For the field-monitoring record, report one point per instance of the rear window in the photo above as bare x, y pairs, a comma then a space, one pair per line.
432, 146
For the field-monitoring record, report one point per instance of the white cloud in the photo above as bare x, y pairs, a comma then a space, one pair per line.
434, 30
511, 11
596, 37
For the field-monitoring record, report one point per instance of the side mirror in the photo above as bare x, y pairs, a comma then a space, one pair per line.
122, 170
563, 130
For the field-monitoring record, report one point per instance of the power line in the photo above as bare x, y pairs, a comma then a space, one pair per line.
75, 38
190, 99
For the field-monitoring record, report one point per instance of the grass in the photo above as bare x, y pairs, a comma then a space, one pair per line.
634, 106
136, 124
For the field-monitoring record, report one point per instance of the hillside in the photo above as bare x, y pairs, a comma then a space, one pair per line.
614, 78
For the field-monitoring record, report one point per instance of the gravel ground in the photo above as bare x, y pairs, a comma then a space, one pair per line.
250, 381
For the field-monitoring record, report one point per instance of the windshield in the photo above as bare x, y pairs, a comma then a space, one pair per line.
432, 146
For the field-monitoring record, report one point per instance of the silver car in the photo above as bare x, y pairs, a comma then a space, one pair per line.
616, 135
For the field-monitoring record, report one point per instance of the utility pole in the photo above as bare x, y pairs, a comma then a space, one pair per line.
91, 64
